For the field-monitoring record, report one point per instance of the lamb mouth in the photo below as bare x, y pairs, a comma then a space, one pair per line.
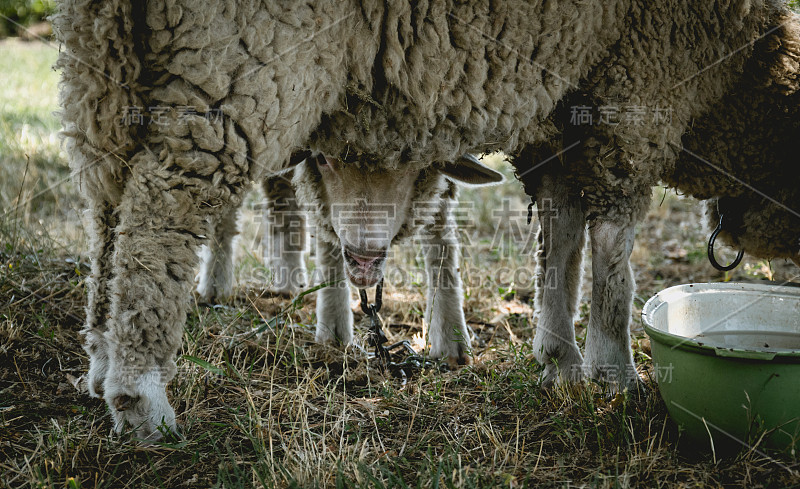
363, 281
360, 274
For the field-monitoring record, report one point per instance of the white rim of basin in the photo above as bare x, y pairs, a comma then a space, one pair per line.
754, 321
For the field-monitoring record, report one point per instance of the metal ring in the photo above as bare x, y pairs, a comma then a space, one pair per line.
713, 259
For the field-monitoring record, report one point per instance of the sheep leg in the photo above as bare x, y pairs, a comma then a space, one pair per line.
284, 237
444, 311
161, 224
608, 344
101, 226
334, 316
215, 280
559, 259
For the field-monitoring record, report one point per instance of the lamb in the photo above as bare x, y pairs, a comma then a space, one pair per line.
400, 84
358, 213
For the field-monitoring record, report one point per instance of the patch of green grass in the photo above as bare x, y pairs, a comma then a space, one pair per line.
16, 13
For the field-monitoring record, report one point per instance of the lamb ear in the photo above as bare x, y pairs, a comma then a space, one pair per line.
469, 170
298, 157
288, 171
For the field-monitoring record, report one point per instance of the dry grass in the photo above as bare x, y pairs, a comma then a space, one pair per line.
261, 405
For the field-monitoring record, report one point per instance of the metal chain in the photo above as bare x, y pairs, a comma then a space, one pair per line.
376, 338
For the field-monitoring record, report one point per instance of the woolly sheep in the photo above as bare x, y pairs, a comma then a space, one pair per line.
358, 213
743, 154
740, 153
391, 82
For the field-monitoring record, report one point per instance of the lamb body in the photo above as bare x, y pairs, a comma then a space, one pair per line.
358, 213
404, 85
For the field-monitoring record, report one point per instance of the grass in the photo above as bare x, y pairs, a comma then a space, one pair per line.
273, 409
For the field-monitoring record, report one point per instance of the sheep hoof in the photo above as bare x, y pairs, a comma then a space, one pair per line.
150, 416
454, 362
569, 368
140, 403
455, 354
553, 376
636, 390
98, 366
340, 335
96, 387
213, 297
548, 381
617, 383
124, 402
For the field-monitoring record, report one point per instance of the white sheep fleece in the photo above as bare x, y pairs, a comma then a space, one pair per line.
389, 82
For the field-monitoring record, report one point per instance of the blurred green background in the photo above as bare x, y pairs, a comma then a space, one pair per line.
15, 14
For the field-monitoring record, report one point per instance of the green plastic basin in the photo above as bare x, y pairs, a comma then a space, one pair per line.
727, 361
